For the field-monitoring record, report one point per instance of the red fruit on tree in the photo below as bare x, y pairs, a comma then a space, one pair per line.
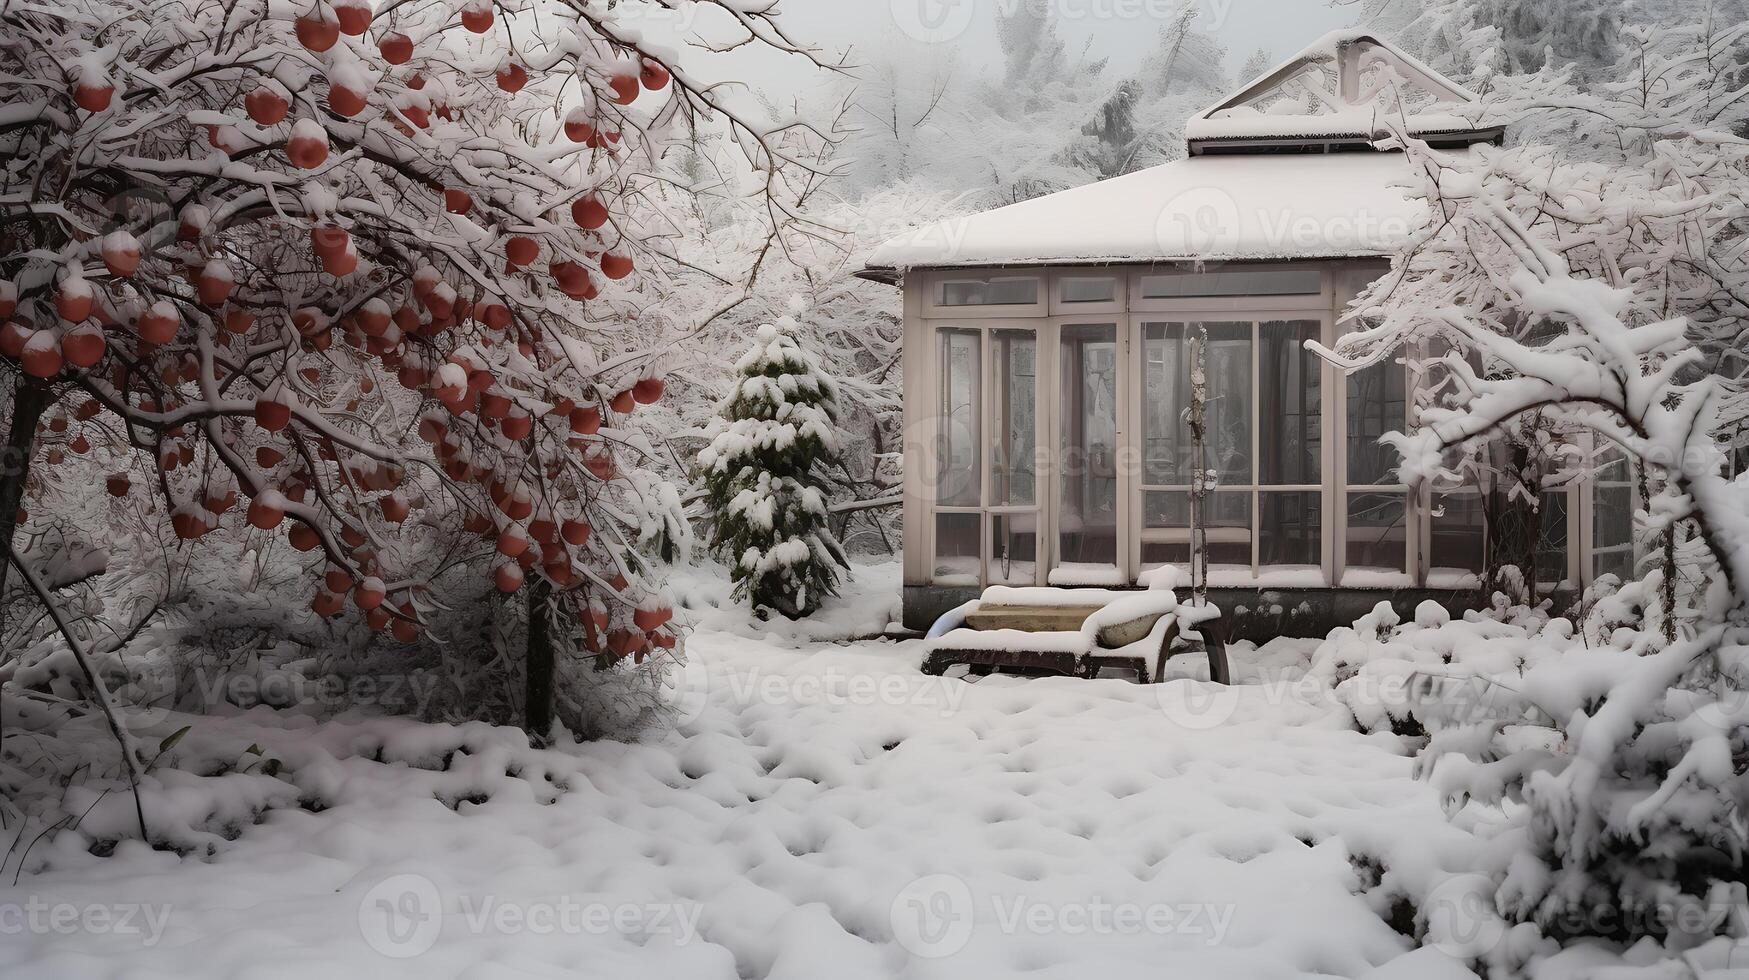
512, 77
272, 414
395, 508
623, 402
586, 421
512, 542
346, 100
457, 201
308, 146
93, 97
508, 577
616, 266
354, 16
13, 337
266, 106
41, 355
216, 283
83, 345
648, 391
578, 127
520, 250
477, 16
121, 253
316, 31
625, 88
267, 510
158, 324
369, 594
396, 49
653, 75
589, 213
74, 299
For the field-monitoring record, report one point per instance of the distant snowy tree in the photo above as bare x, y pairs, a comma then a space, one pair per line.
765, 475
1259, 62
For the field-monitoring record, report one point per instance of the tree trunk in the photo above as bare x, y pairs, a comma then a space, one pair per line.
29, 399
538, 698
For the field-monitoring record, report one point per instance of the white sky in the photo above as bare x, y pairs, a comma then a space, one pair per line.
1122, 30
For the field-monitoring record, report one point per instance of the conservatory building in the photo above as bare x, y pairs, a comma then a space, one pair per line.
1048, 361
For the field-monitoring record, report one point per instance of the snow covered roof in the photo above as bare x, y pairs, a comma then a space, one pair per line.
1205, 208
1340, 89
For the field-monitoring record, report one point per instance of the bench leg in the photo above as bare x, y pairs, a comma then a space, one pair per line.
1220, 671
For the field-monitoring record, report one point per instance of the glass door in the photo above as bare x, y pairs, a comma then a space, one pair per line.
1090, 503
985, 521
1264, 447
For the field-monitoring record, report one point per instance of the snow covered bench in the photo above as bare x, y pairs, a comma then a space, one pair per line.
1073, 632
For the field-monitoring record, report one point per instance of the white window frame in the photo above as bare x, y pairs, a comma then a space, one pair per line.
932, 283
1120, 292
1183, 312
1040, 508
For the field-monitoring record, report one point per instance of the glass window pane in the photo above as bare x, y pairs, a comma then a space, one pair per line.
1290, 414
1378, 534
1235, 282
1166, 447
1014, 411
956, 549
1080, 289
1289, 529
1087, 512
1612, 521
1459, 533
1157, 553
990, 291
1228, 523
1551, 552
1014, 549
1166, 440
958, 469
1376, 405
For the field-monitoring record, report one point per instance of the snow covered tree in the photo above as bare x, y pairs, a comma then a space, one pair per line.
284, 244
1600, 299
765, 476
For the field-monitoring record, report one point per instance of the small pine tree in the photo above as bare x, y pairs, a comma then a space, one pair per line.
764, 472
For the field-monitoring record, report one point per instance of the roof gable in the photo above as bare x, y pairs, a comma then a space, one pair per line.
1338, 92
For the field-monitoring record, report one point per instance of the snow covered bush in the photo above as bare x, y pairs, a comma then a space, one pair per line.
764, 472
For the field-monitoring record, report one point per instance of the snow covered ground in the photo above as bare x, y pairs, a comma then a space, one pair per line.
818, 811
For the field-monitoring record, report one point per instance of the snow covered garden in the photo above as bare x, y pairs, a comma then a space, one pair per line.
699, 488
